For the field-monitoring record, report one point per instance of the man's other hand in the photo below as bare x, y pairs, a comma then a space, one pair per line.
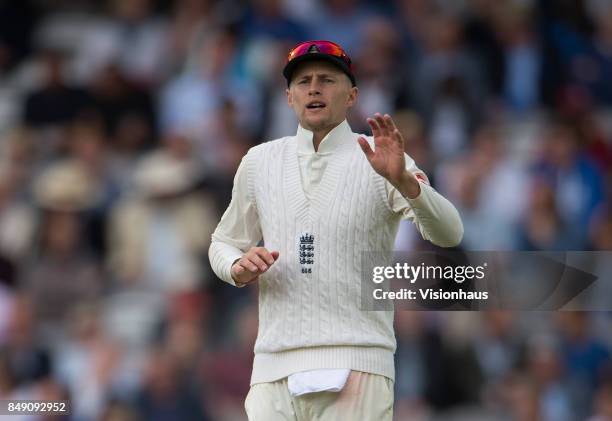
256, 261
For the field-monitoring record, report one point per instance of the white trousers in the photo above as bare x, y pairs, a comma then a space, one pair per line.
365, 397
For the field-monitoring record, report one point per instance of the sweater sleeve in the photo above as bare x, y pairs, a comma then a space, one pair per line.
434, 216
239, 228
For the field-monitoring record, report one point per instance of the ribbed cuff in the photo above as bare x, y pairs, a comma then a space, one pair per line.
222, 256
422, 199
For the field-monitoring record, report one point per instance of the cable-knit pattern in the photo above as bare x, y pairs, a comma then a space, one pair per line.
274, 284
327, 200
384, 233
351, 213
262, 187
307, 319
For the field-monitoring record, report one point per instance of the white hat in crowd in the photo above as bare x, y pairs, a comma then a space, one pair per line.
65, 186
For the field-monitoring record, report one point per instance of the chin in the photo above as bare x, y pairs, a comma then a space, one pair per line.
317, 122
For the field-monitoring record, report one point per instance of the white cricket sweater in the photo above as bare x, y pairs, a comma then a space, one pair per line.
309, 300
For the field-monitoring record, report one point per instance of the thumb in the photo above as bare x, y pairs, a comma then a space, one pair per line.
365, 146
275, 255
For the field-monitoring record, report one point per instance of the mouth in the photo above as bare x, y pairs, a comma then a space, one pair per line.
315, 105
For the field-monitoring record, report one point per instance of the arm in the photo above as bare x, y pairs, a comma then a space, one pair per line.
233, 255
434, 216
408, 189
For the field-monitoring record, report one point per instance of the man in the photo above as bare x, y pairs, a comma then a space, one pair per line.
317, 202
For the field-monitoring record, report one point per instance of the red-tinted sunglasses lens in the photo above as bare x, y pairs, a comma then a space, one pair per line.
325, 47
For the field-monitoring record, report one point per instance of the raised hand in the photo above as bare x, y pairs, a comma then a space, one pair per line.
387, 158
256, 261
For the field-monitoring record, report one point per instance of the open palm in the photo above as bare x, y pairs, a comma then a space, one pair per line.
387, 158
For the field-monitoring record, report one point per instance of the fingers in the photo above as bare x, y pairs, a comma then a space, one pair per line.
389, 123
365, 146
383, 126
395, 133
375, 127
265, 255
244, 272
382, 123
254, 262
258, 263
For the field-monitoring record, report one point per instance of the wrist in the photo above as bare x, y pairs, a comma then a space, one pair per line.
408, 185
232, 273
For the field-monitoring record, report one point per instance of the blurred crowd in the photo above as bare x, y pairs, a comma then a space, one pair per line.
122, 123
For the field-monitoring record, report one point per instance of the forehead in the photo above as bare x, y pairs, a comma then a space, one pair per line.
314, 67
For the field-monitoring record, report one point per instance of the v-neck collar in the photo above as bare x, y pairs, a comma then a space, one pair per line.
328, 145
340, 139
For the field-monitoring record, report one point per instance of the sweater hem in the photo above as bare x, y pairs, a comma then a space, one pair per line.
269, 367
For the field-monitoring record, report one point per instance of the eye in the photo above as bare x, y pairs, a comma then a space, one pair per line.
329, 81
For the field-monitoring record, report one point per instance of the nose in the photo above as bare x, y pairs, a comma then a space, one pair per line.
314, 88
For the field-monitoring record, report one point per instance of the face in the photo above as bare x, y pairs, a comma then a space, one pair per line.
321, 95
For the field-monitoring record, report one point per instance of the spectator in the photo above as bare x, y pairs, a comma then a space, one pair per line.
522, 63
491, 187
56, 102
166, 392
132, 36
446, 86
211, 73
17, 217
158, 237
546, 365
267, 19
29, 361
542, 227
231, 363
119, 102
585, 357
342, 21
378, 78
63, 272
576, 181
88, 362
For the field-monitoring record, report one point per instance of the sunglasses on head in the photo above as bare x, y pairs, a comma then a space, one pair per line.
324, 47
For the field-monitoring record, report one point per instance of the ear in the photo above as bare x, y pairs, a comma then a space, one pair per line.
289, 97
352, 97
